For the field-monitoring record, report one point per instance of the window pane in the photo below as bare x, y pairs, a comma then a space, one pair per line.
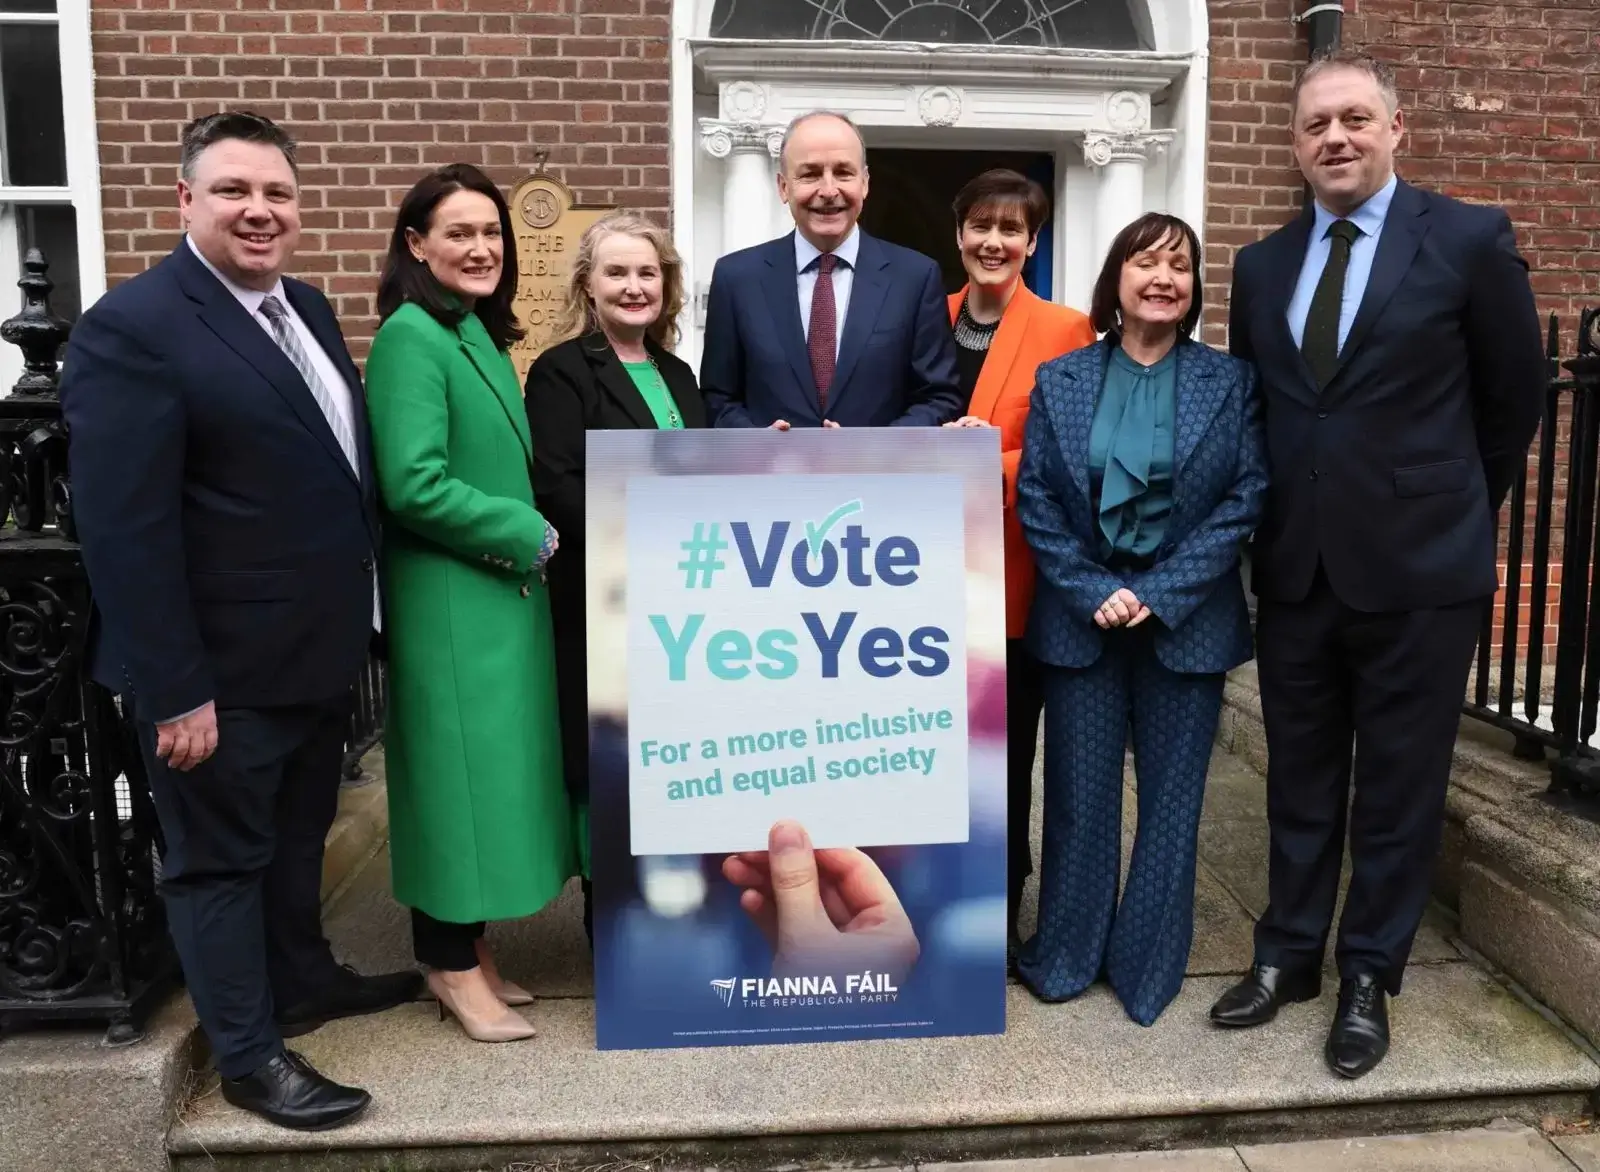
33, 151
52, 228
1097, 24
27, 5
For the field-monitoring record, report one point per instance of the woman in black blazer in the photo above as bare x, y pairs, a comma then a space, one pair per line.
610, 368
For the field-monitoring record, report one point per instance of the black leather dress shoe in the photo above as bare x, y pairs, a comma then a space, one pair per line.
349, 995
1360, 1035
1255, 1000
288, 1091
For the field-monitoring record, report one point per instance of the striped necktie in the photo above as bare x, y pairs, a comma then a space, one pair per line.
283, 332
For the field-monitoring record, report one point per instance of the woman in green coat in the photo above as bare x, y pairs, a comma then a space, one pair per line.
480, 824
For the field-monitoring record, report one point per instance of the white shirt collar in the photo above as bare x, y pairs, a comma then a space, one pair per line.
805, 252
251, 299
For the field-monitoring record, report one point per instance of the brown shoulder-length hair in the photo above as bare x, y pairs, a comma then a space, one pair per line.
1002, 190
1148, 231
577, 315
404, 279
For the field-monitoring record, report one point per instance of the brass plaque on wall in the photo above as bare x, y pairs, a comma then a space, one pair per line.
548, 227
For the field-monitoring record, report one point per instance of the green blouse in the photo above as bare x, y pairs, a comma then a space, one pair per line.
653, 389
1130, 455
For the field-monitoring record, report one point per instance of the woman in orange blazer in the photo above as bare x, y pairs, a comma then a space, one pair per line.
1003, 333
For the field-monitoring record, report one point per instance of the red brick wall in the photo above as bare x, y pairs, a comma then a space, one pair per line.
377, 92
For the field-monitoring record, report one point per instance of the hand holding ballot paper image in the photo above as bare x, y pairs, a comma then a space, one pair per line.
798, 740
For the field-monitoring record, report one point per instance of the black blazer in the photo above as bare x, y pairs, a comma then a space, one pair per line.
1391, 476
228, 542
573, 388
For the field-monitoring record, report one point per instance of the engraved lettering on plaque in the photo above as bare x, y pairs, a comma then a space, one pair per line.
547, 227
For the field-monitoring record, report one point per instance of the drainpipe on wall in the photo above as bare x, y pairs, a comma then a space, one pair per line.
1323, 21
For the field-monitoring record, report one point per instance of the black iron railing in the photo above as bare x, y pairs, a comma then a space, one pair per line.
1552, 705
366, 716
82, 932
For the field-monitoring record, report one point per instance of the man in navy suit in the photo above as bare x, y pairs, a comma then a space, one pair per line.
224, 497
1402, 371
827, 326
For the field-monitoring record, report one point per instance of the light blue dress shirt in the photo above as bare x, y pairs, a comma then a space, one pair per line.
844, 274
1369, 217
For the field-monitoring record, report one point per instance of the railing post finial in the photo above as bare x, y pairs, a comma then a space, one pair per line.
36, 330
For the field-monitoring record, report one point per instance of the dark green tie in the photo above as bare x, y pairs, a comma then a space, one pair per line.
1320, 340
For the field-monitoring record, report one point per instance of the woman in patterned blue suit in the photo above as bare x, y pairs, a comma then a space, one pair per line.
1143, 472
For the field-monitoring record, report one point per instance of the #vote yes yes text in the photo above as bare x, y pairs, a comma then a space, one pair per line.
796, 649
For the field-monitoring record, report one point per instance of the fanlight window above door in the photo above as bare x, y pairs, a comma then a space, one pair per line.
1088, 24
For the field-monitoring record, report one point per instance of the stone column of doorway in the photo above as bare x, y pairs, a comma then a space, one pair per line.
748, 193
1119, 157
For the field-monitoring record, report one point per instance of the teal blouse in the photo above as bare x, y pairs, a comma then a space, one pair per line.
1130, 455
653, 389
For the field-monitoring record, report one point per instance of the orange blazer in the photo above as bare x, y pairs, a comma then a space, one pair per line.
1032, 331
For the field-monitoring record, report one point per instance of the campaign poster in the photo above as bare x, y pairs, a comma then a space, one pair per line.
797, 735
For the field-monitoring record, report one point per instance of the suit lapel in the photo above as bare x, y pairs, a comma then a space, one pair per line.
493, 368
867, 291
1283, 274
615, 380
782, 289
1198, 400
1085, 371
1403, 230
1003, 352
225, 317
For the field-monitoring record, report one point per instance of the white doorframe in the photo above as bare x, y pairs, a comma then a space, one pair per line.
945, 95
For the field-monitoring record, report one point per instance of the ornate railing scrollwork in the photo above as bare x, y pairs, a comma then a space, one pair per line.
82, 934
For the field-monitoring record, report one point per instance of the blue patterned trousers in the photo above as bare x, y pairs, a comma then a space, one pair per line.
1141, 944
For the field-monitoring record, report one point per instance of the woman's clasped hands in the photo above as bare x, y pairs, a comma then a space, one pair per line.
1122, 609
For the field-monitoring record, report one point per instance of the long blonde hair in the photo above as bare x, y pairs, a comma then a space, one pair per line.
578, 317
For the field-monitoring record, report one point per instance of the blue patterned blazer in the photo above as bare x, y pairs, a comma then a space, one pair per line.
1193, 590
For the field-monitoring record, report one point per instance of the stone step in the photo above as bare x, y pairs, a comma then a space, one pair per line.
1062, 1079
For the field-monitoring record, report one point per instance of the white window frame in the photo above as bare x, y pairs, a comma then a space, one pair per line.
82, 191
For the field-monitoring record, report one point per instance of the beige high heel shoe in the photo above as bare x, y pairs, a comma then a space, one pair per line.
509, 1027
510, 994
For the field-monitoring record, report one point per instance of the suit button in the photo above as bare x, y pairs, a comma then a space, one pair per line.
525, 591
1313, 474
366, 564
1322, 414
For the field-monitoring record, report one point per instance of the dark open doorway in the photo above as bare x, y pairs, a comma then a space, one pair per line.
909, 198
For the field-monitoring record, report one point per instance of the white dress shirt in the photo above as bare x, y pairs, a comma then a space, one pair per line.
805, 256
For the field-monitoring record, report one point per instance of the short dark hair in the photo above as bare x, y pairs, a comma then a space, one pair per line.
405, 280
1003, 188
1332, 59
241, 125
1105, 310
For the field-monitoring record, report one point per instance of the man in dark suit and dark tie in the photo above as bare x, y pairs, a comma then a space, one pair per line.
827, 326
224, 497
1402, 371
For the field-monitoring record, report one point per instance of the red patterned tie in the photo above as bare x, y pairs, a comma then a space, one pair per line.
822, 337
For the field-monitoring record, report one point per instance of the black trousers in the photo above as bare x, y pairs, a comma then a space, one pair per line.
1024, 702
242, 872
440, 944
1389, 687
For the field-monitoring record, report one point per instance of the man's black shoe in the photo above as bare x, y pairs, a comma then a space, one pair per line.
349, 995
288, 1091
1255, 1000
1360, 1035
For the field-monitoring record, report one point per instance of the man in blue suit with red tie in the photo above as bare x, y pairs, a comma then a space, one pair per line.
827, 326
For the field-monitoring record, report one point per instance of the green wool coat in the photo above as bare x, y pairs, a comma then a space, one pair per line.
479, 821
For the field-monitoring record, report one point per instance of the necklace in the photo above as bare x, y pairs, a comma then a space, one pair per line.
672, 404
973, 335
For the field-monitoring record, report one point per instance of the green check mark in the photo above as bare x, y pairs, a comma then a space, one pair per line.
817, 533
